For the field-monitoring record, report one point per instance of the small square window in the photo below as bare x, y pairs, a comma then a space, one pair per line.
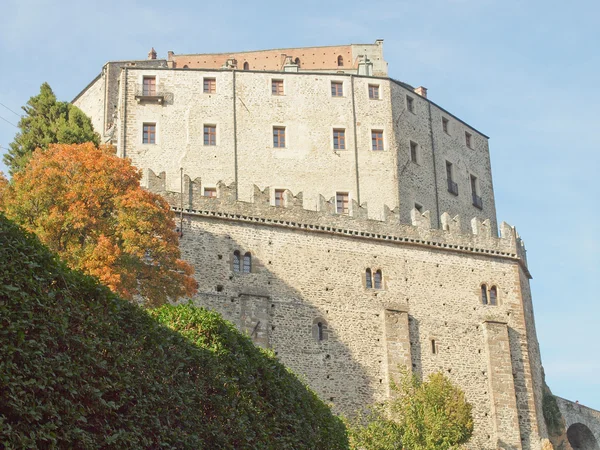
210, 192
149, 86
445, 126
277, 87
414, 152
337, 89
210, 135
279, 197
339, 139
149, 133
374, 91
468, 139
342, 203
210, 85
376, 139
279, 137
410, 104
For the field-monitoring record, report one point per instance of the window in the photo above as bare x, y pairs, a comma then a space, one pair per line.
468, 138
339, 139
410, 104
236, 261
445, 125
368, 279
341, 203
484, 296
210, 85
433, 347
149, 133
279, 199
247, 262
377, 278
277, 87
297, 62
340, 61
477, 201
452, 186
210, 192
374, 91
210, 135
414, 152
149, 86
279, 137
493, 296
337, 89
246, 66
320, 331
377, 139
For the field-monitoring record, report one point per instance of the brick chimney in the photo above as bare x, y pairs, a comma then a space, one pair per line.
422, 91
152, 54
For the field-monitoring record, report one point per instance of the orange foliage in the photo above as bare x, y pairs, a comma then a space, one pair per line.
3, 187
86, 204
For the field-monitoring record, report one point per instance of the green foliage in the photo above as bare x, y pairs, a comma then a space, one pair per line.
425, 415
47, 121
374, 432
81, 368
433, 414
552, 414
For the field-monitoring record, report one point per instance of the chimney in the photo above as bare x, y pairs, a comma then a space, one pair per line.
170, 55
422, 91
152, 54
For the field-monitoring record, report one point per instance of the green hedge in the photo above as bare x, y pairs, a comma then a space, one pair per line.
81, 368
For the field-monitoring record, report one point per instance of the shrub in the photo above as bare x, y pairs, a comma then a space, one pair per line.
81, 368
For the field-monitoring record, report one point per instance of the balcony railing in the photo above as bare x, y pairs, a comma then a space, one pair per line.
149, 95
452, 187
477, 201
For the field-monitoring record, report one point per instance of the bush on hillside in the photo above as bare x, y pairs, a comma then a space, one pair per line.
81, 368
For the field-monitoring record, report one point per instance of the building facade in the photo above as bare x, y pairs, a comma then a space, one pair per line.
339, 217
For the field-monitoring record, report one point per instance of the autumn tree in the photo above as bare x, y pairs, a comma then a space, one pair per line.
86, 204
3, 186
47, 121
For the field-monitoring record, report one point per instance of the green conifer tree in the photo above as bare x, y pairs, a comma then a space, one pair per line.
47, 121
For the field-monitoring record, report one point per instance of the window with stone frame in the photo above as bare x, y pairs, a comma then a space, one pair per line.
445, 125
236, 261
410, 104
414, 152
374, 91
247, 267
149, 133
340, 61
368, 279
279, 137
484, 294
210, 192
339, 139
377, 279
277, 87
210, 135
377, 140
279, 197
342, 203
468, 139
149, 86
337, 89
210, 85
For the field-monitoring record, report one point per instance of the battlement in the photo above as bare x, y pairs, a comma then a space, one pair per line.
356, 224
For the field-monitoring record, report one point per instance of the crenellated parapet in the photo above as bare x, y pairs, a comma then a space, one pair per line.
292, 214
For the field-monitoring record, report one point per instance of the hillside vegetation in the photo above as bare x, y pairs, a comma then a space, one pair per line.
82, 368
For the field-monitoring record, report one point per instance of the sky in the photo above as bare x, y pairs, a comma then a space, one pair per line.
524, 73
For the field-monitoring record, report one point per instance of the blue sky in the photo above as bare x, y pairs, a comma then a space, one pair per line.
523, 72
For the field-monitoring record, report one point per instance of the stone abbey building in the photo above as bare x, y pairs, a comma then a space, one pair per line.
339, 217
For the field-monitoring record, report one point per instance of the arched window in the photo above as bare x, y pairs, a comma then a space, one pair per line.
246, 66
377, 279
484, 297
319, 329
297, 62
369, 279
340, 61
493, 295
185, 67
236, 261
247, 262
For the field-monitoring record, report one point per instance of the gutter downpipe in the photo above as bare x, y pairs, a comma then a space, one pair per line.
435, 184
235, 143
355, 141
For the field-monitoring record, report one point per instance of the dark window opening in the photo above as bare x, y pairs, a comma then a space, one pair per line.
246, 66
236, 261
484, 297
377, 279
340, 61
369, 279
493, 296
247, 262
